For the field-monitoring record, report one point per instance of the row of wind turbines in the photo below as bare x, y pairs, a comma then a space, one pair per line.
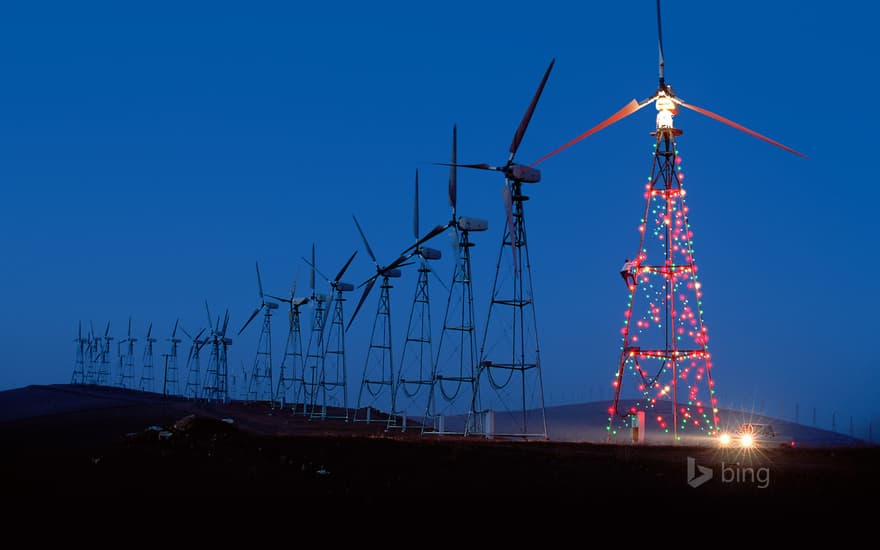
440, 391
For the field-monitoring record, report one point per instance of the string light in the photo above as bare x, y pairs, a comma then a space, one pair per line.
664, 339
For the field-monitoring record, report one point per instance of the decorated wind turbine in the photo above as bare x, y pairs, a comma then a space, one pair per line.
260, 383
664, 374
509, 370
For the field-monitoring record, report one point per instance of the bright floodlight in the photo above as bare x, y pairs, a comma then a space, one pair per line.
724, 439
747, 441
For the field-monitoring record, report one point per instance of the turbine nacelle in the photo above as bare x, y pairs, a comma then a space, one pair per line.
522, 173
344, 287
472, 224
428, 253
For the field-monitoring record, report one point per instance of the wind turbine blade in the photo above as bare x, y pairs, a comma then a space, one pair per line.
345, 267
627, 110
174, 330
79, 331
315, 269
478, 166
129, 327
453, 240
660, 45
439, 280
149, 331
225, 322
366, 293
366, 244
312, 274
508, 208
279, 298
188, 335
251, 318
739, 127
524, 123
416, 209
397, 263
107, 330
200, 333
431, 234
453, 172
259, 280
208, 311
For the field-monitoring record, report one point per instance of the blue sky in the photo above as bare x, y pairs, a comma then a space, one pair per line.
151, 152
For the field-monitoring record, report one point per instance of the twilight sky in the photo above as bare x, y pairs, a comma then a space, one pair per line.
151, 152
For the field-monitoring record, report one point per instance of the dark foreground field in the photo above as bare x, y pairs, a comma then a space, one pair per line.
76, 440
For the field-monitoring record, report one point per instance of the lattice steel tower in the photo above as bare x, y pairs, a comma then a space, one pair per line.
331, 388
508, 376
146, 381
79, 371
413, 383
126, 373
216, 387
103, 368
453, 376
170, 384
309, 378
292, 361
260, 382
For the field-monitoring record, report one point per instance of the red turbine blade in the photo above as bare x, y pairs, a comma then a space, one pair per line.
740, 127
627, 110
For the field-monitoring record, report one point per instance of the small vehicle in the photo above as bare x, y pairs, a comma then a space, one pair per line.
749, 435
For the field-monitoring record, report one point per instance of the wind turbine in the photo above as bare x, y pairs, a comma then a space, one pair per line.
665, 352
193, 364
314, 363
510, 362
103, 376
260, 383
453, 376
79, 374
379, 365
146, 381
126, 374
93, 351
216, 387
417, 358
169, 378
292, 360
332, 380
